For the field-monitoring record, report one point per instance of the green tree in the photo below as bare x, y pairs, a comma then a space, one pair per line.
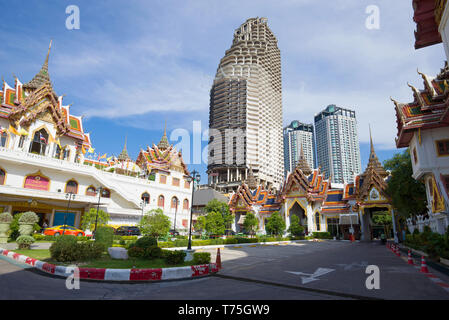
275, 224
250, 223
155, 223
408, 195
215, 223
222, 207
385, 220
295, 228
89, 217
200, 224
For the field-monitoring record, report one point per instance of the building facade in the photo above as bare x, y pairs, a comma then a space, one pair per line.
298, 136
337, 144
320, 204
43, 159
423, 125
245, 123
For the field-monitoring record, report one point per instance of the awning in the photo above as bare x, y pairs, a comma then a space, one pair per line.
349, 218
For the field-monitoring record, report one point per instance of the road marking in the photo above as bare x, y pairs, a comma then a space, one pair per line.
307, 277
353, 266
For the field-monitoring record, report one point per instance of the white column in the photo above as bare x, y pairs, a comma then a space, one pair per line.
394, 226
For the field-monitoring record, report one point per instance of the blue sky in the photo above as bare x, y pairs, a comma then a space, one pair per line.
133, 65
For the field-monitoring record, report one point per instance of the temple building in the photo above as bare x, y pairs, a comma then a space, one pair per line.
321, 206
423, 127
45, 168
423, 124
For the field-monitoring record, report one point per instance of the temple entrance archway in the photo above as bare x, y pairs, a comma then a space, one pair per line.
298, 211
373, 229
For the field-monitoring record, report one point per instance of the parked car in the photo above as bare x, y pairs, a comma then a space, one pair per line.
67, 230
127, 231
174, 233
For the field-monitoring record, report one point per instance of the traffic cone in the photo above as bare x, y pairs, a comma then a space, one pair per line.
410, 260
398, 253
424, 265
218, 261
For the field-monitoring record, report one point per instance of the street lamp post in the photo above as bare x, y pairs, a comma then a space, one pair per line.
194, 177
68, 195
176, 211
100, 190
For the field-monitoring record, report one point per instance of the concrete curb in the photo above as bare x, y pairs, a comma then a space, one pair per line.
116, 274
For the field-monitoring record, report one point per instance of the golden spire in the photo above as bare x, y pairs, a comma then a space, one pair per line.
42, 76
163, 144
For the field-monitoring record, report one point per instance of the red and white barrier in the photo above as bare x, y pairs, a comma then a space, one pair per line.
117, 274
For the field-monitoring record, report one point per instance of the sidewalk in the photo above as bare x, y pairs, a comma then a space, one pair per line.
38, 245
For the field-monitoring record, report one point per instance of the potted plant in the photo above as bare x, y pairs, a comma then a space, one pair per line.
25, 242
5, 221
26, 223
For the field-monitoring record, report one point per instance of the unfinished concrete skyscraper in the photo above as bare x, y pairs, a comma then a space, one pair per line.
245, 119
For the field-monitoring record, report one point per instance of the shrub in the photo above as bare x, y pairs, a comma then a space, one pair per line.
231, 241
416, 231
63, 249
427, 229
88, 250
136, 252
181, 242
153, 252
146, 242
201, 257
295, 228
38, 236
66, 248
174, 257
105, 235
5, 217
321, 235
28, 217
25, 242
166, 244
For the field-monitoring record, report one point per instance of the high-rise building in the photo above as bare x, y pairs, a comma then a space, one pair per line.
337, 144
298, 136
245, 118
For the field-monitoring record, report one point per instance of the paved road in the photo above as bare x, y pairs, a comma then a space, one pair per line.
256, 273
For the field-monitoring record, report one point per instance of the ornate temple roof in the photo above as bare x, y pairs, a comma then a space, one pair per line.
245, 199
166, 158
163, 144
373, 176
430, 108
36, 99
303, 164
123, 156
252, 183
42, 77
373, 162
314, 186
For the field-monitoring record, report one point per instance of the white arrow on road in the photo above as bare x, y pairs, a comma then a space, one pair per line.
311, 277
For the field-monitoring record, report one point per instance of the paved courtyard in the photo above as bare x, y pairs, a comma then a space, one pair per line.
300, 271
